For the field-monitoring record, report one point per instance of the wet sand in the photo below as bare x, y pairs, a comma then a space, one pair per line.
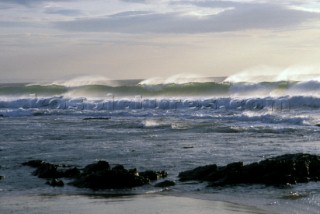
142, 204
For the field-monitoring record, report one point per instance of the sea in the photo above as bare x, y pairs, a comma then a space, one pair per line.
173, 125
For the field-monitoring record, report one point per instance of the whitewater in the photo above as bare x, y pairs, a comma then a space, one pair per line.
172, 124
141, 95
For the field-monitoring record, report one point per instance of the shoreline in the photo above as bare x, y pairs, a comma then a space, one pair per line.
143, 204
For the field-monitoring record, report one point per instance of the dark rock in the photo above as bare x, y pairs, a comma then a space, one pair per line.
96, 167
110, 180
165, 183
34, 163
55, 183
280, 170
134, 171
188, 147
101, 176
1, 177
48, 170
71, 173
199, 173
95, 176
153, 175
96, 118
119, 167
116, 178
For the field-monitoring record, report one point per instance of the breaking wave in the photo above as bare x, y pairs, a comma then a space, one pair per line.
191, 89
124, 96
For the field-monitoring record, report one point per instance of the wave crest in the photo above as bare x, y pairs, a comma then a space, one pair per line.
86, 80
176, 79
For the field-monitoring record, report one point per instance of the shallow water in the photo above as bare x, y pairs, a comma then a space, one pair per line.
145, 204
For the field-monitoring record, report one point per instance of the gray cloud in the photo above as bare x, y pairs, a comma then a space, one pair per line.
250, 16
134, 1
130, 13
30, 2
64, 12
15, 24
214, 4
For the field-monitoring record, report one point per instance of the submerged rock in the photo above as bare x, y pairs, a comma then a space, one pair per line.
280, 170
1, 177
97, 118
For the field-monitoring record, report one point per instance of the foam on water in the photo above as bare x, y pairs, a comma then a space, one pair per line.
226, 103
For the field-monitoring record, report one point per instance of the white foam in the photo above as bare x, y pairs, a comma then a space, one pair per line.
285, 103
155, 123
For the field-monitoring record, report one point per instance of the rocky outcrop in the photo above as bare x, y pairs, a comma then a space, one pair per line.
165, 183
99, 175
280, 170
153, 175
48, 170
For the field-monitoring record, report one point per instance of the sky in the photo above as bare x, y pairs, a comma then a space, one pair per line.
43, 40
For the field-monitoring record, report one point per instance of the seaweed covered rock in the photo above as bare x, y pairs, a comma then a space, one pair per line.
280, 170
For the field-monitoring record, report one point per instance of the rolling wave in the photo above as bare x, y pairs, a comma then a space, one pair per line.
240, 96
197, 89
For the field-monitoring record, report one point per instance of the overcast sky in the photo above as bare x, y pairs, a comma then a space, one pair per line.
43, 40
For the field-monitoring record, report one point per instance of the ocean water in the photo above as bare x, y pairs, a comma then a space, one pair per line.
172, 126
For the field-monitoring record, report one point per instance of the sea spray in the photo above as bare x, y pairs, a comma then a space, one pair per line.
299, 73
86, 80
177, 79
